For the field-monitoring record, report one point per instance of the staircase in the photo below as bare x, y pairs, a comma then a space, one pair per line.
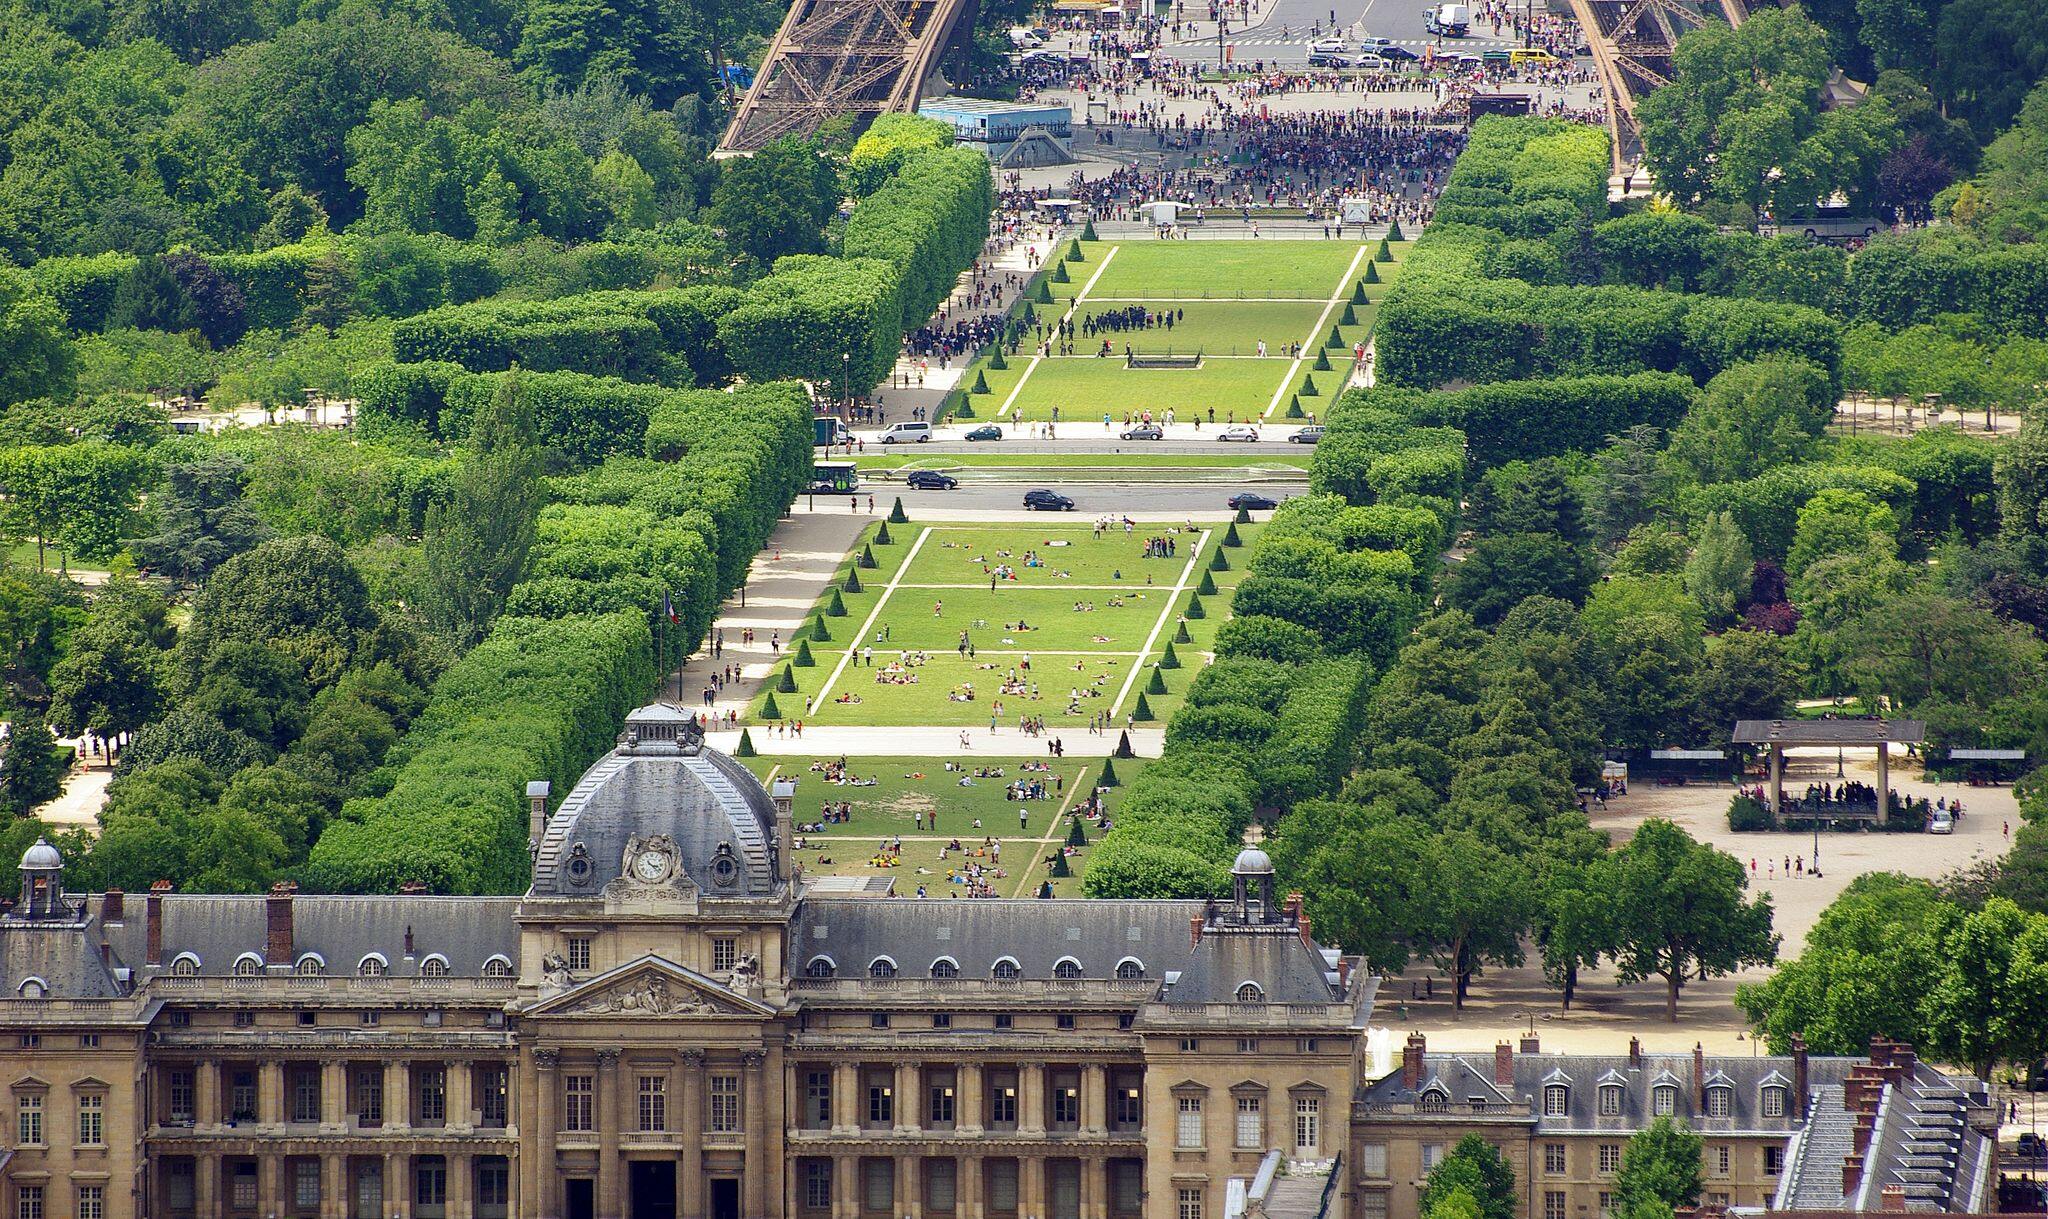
1297, 1197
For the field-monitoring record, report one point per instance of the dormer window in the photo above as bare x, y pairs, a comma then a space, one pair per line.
1068, 967
34, 989
186, 966
434, 967
1774, 1100
1249, 992
1720, 1101
371, 967
881, 967
819, 967
248, 965
310, 966
944, 967
1434, 1101
725, 870
497, 967
1610, 1100
1006, 970
1130, 969
1557, 1100
1664, 1100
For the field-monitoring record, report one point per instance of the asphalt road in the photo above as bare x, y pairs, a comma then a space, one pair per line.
1274, 448
1282, 34
1091, 499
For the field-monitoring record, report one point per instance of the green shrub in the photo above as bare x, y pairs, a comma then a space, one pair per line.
1059, 276
980, 383
1294, 410
1158, 684
1207, 588
897, 514
803, 654
1350, 317
1180, 633
1372, 276
853, 584
785, 682
964, 411
882, 535
1322, 363
1308, 387
1169, 659
1358, 289
1074, 253
996, 360
1123, 746
768, 708
1088, 231
1217, 562
867, 558
746, 746
1108, 776
837, 606
1045, 292
1194, 609
819, 631
1142, 713
1335, 340
1230, 537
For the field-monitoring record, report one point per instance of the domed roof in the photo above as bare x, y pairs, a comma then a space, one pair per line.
662, 783
1252, 862
41, 854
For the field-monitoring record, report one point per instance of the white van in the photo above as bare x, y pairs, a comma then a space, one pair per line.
904, 433
1327, 46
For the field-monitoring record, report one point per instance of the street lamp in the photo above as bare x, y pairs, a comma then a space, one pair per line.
846, 385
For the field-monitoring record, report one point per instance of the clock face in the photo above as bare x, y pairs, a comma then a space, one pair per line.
651, 866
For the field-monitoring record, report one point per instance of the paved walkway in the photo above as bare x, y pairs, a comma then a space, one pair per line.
861, 741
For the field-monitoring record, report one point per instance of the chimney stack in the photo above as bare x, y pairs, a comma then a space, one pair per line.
1194, 930
1635, 1051
1891, 1198
1799, 1077
153, 910
1307, 940
1699, 1076
113, 906
1344, 973
537, 809
1411, 1061
277, 944
1852, 1177
1504, 1065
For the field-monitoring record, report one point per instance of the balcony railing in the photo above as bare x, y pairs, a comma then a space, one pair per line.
909, 989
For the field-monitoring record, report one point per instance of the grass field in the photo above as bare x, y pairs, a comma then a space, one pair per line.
925, 641
930, 806
1227, 297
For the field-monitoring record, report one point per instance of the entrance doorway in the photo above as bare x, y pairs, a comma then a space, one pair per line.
579, 1198
651, 1189
725, 1198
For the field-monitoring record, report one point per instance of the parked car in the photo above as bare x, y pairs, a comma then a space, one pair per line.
1239, 432
2033, 1146
987, 431
1339, 60
1144, 431
1940, 822
1047, 501
917, 432
1252, 502
1327, 46
930, 480
1307, 435
1394, 54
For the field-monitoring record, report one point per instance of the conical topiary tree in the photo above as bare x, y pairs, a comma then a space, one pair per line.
1219, 563
1372, 276
1350, 317
853, 584
1180, 633
836, 607
966, 411
1308, 387
1123, 746
996, 360
1207, 588
1322, 363
1074, 253
1044, 293
746, 746
1230, 537
882, 535
1157, 685
897, 514
1077, 834
1029, 315
867, 558
819, 631
769, 710
786, 684
980, 382
1335, 340
1059, 276
1393, 234
803, 654
1195, 609
1058, 868
1108, 777
1294, 407
1143, 711
1088, 231
1169, 659
1358, 289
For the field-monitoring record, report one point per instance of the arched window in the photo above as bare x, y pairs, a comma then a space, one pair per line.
1557, 1100
497, 967
1006, 969
1434, 1101
1129, 968
1610, 1100
248, 965
372, 966
435, 966
881, 967
310, 966
34, 988
1774, 1100
945, 967
820, 967
1720, 1101
1250, 993
1664, 1100
1067, 967
186, 966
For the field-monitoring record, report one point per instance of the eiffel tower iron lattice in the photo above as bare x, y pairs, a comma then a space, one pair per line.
1632, 42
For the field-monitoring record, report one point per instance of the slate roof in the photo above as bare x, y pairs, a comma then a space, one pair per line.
1453, 1077
62, 954
1922, 1143
976, 933
342, 930
1285, 968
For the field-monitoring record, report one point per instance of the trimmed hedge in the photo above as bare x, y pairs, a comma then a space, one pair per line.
1507, 421
799, 321
930, 221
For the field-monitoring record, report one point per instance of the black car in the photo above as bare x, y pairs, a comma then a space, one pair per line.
1398, 54
1047, 501
930, 480
1308, 435
1252, 502
1144, 431
987, 431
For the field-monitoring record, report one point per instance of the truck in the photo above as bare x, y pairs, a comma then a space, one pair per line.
1447, 20
828, 430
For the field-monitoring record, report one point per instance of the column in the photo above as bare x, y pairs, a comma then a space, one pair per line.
537, 1152
845, 1097
1091, 1187
909, 1187
460, 1177
1031, 1186
397, 1093
754, 1120
270, 1095
603, 1109
968, 1184
460, 1080
268, 1170
1031, 1098
690, 1104
845, 1187
968, 1106
1884, 782
206, 1184
909, 1105
398, 1186
1094, 1098
1777, 780
334, 1187
206, 1078
333, 1098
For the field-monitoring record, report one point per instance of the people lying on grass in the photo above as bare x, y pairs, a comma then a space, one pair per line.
849, 699
1021, 626
895, 677
960, 696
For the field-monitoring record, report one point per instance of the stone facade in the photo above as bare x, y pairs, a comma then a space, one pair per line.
666, 1024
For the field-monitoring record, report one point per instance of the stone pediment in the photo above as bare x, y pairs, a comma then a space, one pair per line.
648, 988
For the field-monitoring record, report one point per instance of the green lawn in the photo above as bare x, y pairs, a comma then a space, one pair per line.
1083, 389
887, 796
1224, 328
1241, 270
1088, 655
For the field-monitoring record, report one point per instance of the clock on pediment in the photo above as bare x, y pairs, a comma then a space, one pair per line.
650, 860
